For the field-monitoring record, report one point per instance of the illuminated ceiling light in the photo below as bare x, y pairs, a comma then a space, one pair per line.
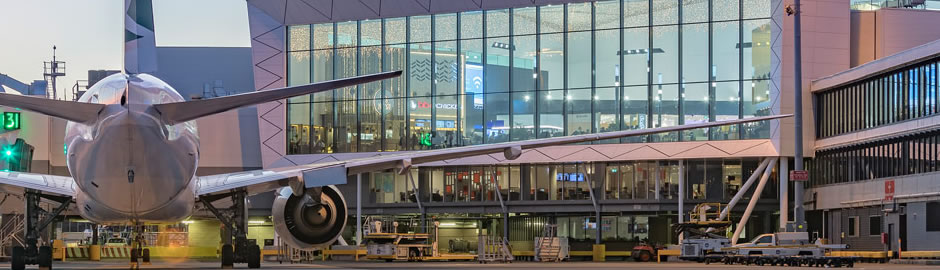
188, 221
569, 97
535, 75
548, 97
256, 222
596, 97
526, 97
626, 97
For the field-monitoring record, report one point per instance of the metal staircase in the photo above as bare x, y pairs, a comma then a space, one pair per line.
12, 232
548, 247
493, 249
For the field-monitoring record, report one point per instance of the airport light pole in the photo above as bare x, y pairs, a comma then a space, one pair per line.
798, 211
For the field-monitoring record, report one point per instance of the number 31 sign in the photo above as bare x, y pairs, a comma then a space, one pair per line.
10, 121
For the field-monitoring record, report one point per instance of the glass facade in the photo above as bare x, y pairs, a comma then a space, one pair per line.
907, 93
536, 72
879, 4
906, 155
706, 179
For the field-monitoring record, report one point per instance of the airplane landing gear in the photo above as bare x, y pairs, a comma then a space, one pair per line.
138, 251
32, 253
235, 219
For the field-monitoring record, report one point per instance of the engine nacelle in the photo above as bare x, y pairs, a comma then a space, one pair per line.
306, 225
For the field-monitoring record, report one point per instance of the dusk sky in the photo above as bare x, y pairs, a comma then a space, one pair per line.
89, 33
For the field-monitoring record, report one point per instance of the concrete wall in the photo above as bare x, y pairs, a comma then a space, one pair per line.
918, 238
883, 32
825, 42
862, 240
907, 189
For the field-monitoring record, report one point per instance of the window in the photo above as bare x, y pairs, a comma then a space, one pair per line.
853, 226
765, 240
874, 225
933, 217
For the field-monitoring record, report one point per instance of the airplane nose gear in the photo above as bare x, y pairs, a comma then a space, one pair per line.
235, 219
36, 221
139, 254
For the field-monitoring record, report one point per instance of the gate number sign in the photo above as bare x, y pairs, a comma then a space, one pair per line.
10, 120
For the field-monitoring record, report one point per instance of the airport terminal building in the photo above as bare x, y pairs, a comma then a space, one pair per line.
480, 72
486, 71
499, 71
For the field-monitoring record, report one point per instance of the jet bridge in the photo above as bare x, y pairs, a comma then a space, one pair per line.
37, 87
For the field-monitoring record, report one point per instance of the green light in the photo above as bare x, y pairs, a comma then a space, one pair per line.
426, 139
11, 120
9, 152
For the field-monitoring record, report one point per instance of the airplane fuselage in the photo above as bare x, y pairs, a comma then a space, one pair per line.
129, 165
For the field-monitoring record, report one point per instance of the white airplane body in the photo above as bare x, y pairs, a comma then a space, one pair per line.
132, 150
129, 166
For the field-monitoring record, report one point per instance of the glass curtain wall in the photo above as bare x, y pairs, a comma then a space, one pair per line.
535, 72
707, 179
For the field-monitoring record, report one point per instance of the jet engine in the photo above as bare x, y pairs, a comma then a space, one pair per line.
307, 223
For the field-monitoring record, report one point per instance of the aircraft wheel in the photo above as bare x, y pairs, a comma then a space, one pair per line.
18, 262
45, 257
254, 256
145, 255
644, 256
135, 257
228, 256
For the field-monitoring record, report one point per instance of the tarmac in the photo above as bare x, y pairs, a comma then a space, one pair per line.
121, 264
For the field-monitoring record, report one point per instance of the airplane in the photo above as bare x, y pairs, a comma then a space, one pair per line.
132, 150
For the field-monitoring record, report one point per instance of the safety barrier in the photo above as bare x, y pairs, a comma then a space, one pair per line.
157, 252
666, 252
864, 256
106, 252
576, 253
920, 254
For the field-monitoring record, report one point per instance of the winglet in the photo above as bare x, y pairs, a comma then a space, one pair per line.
69, 110
178, 112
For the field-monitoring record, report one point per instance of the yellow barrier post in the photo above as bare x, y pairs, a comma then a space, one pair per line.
58, 250
94, 252
600, 253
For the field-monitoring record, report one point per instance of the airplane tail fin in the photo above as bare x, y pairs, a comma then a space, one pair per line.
179, 112
69, 110
140, 45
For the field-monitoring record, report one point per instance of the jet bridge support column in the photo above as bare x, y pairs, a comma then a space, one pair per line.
681, 196
417, 194
753, 200
358, 209
597, 208
502, 205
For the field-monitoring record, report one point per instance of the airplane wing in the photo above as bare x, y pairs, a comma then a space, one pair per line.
334, 173
14, 182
